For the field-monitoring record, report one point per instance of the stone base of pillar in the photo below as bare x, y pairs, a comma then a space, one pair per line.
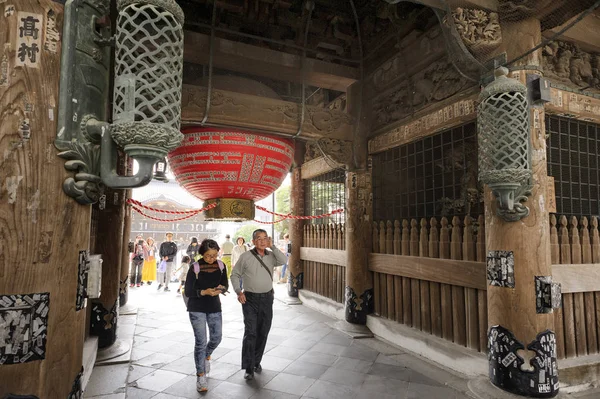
104, 323
77, 389
358, 307
540, 377
295, 283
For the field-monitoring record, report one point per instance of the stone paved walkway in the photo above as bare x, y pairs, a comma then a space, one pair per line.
305, 358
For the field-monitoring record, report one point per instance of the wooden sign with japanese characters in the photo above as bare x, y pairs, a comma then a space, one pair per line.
29, 39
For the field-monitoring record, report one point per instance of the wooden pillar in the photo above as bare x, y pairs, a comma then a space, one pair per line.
358, 217
295, 281
124, 272
513, 321
42, 230
109, 243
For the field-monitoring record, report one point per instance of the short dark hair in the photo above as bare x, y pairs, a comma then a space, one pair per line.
256, 232
207, 244
242, 238
186, 259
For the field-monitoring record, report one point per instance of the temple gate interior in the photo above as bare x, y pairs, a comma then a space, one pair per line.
460, 137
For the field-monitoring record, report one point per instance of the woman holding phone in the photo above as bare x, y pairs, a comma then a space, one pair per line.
206, 279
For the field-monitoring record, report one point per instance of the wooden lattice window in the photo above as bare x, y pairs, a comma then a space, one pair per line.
433, 177
324, 194
573, 149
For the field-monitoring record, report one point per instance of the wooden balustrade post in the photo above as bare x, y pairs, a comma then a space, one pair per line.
405, 238
389, 238
397, 238
522, 248
481, 255
424, 240
42, 230
414, 238
359, 214
295, 280
434, 244
595, 241
375, 235
382, 237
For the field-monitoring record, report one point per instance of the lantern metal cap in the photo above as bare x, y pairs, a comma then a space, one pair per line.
168, 5
502, 84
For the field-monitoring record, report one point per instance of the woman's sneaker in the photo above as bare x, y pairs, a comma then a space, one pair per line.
207, 365
201, 383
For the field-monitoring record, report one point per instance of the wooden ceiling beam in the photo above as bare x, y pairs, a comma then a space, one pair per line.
259, 61
263, 114
584, 33
490, 5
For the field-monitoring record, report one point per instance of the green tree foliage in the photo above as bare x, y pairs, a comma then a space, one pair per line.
282, 205
246, 232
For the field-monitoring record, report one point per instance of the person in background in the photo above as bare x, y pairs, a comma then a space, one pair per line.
182, 272
168, 250
193, 248
203, 284
286, 249
149, 270
239, 249
137, 262
226, 249
252, 280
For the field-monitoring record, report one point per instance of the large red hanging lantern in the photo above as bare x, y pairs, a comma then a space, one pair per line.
231, 167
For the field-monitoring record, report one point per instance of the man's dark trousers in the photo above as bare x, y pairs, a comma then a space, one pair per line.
258, 315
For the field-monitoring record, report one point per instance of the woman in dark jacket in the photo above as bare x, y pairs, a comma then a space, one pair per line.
206, 279
192, 249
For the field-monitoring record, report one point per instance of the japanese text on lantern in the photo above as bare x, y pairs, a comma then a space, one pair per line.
29, 39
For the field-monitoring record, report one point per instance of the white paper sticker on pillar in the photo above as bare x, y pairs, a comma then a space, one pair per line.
9, 10
4, 73
29, 39
501, 268
551, 194
51, 35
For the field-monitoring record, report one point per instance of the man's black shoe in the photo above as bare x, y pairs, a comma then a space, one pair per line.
249, 375
258, 368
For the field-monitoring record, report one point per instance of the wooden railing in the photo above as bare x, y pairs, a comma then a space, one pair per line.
436, 280
431, 276
575, 252
324, 259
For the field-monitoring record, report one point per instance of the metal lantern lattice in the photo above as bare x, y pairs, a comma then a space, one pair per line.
504, 149
148, 76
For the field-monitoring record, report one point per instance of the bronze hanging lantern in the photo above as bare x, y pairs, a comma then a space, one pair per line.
504, 149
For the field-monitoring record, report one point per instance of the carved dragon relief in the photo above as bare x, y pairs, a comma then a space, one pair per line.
321, 120
438, 82
339, 151
567, 63
478, 29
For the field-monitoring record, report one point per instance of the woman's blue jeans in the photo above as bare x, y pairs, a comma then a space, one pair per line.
202, 350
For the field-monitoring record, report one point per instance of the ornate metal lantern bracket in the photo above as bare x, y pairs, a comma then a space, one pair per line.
504, 149
148, 47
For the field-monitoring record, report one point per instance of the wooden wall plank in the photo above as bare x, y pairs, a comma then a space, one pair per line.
323, 255
483, 320
454, 272
415, 289
406, 301
472, 318
398, 306
447, 331
425, 307
459, 316
569, 323
436, 308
